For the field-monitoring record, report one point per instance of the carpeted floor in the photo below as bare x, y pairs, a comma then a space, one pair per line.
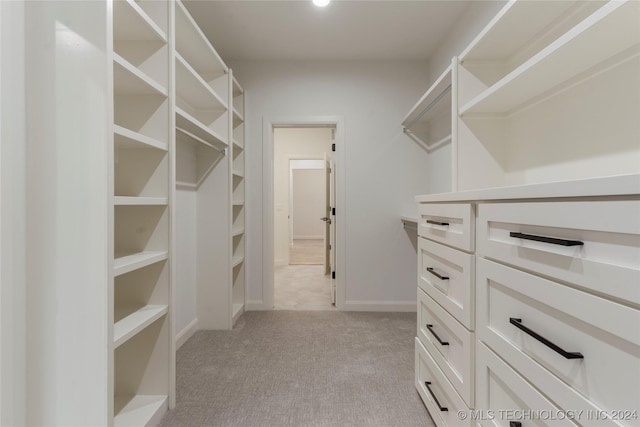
297, 368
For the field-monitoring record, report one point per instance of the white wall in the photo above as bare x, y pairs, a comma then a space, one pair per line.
309, 203
384, 170
291, 143
12, 215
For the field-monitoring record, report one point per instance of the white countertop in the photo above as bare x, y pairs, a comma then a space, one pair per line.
621, 185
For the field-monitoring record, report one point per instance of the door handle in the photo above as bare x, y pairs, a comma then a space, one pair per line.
325, 219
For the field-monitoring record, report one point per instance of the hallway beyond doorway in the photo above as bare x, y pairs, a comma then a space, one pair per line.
306, 252
302, 287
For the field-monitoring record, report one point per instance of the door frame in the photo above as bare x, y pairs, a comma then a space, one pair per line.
268, 125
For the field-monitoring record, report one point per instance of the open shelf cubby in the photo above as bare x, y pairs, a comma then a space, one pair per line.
140, 170
429, 121
140, 229
550, 68
196, 158
139, 41
138, 20
195, 48
141, 395
557, 100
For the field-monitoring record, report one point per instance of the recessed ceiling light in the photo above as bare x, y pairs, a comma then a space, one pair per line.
321, 3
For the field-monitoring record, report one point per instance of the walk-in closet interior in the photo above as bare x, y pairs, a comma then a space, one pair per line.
484, 173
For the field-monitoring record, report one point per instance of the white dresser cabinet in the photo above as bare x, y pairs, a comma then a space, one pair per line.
437, 393
555, 290
529, 268
501, 387
445, 342
589, 244
446, 275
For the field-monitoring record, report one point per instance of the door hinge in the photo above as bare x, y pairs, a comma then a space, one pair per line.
333, 274
333, 211
329, 247
333, 147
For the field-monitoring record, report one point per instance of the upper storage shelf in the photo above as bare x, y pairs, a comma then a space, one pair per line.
429, 121
238, 118
128, 139
186, 123
139, 42
131, 22
191, 43
548, 92
573, 53
130, 80
519, 31
237, 89
194, 90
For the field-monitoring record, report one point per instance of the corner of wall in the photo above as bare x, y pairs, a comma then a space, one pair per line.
475, 17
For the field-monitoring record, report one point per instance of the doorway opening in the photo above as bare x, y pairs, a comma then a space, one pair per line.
302, 218
307, 211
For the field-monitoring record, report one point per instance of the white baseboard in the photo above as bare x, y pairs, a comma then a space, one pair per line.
308, 237
401, 306
186, 333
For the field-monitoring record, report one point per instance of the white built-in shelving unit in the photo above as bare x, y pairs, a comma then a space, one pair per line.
238, 196
430, 124
545, 106
209, 174
201, 105
141, 351
429, 121
548, 91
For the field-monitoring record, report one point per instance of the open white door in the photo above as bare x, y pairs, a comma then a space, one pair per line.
332, 221
327, 215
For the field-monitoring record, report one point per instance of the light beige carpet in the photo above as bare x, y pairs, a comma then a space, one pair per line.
301, 368
306, 252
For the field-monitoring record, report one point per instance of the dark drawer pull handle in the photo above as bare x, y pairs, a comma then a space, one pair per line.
553, 240
430, 328
435, 273
515, 424
442, 408
429, 221
566, 354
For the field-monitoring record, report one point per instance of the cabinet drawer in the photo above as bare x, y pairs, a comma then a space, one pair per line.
439, 394
451, 224
447, 275
606, 333
607, 261
448, 343
502, 394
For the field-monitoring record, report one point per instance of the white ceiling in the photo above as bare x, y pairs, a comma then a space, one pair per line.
344, 30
